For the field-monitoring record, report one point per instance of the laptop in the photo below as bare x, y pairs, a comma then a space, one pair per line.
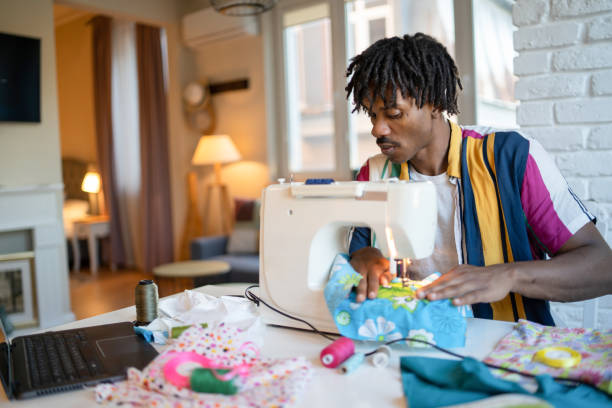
57, 361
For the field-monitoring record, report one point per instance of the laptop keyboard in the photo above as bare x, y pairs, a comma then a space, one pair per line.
57, 358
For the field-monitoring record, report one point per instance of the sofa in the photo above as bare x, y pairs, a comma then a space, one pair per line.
244, 265
240, 248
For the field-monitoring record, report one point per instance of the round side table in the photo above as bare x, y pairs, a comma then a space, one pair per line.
177, 276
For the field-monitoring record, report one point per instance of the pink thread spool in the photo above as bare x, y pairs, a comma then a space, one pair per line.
337, 352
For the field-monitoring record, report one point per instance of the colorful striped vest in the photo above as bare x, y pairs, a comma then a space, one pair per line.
488, 170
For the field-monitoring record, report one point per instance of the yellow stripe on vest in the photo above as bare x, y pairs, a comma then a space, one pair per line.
485, 199
404, 173
520, 308
454, 151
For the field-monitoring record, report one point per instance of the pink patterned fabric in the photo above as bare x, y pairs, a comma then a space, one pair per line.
270, 383
517, 349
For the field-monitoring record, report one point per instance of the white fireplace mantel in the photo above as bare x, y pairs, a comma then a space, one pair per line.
38, 208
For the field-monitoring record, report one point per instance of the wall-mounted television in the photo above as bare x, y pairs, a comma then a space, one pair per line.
19, 78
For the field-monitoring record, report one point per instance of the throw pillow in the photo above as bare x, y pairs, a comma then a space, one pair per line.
245, 236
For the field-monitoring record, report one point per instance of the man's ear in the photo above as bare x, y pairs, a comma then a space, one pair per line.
436, 113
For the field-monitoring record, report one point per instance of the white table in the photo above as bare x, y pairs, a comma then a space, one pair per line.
365, 387
175, 277
90, 228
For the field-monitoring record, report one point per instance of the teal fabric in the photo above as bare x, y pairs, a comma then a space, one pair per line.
433, 382
396, 313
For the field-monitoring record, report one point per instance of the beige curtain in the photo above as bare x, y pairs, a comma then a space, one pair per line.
157, 216
126, 134
104, 130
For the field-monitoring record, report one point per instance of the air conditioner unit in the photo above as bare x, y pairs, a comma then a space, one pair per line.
207, 26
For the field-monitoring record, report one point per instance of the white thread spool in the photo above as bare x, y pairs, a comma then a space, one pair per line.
381, 357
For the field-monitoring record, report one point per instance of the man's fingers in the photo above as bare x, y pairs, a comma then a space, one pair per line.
373, 267
372, 284
452, 291
362, 288
385, 278
452, 285
443, 282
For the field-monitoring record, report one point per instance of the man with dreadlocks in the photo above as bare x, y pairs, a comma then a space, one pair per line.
503, 206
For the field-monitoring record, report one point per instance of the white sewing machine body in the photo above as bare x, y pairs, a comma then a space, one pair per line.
303, 227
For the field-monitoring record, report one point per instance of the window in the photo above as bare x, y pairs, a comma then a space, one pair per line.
310, 43
369, 21
494, 53
309, 108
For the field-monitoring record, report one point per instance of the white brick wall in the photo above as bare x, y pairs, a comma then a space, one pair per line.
564, 70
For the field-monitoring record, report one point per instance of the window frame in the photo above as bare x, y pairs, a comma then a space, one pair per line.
275, 90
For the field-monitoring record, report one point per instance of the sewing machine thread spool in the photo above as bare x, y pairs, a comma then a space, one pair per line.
352, 363
146, 301
203, 380
337, 352
381, 357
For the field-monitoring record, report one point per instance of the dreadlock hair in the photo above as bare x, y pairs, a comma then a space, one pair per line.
416, 65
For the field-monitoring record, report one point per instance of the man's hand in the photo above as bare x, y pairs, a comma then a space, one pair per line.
467, 284
374, 268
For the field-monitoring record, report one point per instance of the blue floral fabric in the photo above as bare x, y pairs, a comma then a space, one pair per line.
395, 313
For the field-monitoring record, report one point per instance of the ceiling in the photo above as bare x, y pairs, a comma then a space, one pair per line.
64, 14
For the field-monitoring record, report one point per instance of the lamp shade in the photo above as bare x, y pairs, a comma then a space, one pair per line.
91, 182
215, 149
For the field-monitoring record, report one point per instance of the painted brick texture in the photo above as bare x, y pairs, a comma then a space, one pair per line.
564, 71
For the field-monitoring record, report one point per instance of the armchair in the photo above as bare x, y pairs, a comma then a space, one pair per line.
244, 265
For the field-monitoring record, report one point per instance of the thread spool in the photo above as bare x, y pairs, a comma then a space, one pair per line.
204, 380
337, 352
352, 363
146, 297
381, 357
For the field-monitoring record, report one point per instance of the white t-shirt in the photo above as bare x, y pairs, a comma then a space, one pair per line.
444, 256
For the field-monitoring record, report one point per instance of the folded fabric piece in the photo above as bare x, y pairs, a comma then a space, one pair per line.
517, 349
193, 307
431, 382
270, 382
396, 312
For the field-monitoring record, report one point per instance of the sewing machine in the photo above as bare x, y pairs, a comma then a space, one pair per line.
304, 226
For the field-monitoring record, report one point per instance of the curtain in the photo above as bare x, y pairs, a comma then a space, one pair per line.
156, 211
126, 129
101, 26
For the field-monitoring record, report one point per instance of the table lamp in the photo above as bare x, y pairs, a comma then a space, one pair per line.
91, 184
215, 150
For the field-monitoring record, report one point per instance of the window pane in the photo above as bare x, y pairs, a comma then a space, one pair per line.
310, 122
368, 21
377, 29
494, 53
374, 3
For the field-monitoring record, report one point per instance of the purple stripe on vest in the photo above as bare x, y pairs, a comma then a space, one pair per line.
540, 211
471, 133
364, 173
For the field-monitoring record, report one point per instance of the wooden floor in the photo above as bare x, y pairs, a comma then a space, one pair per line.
108, 291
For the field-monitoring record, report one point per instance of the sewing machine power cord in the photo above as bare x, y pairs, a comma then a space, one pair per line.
257, 300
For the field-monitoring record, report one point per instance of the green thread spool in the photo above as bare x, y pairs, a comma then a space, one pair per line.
203, 380
146, 302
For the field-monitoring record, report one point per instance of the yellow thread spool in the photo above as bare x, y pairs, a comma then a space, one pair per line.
558, 357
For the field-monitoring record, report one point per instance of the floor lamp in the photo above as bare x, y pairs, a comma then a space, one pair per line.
215, 150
